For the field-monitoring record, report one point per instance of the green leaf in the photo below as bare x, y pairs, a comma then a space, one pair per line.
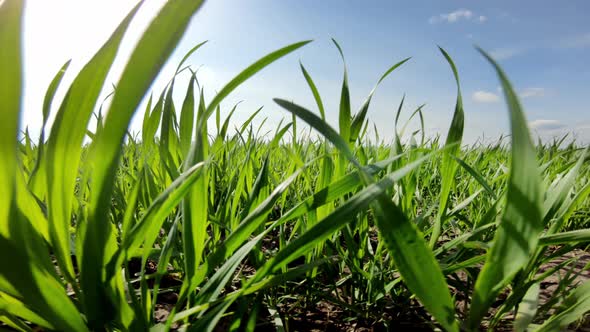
188, 54
344, 116
580, 235
187, 118
249, 72
527, 308
152, 50
414, 260
314, 91
518, 233
557, 196
359, 118
10, 102
576, 305
33, 181
148, 227
477, 176
449, 168
64, 147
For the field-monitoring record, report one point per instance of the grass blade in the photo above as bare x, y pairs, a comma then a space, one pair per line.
518, 234
314, 91
64, 147
344, 116
449, 168
405, 242
10, 102
146, 61
577, 304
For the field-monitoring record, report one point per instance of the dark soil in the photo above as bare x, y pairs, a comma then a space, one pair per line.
297, 314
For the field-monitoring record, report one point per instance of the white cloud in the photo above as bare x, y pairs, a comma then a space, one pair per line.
532, 92
457, 15
546, 125
506, 53
485, 97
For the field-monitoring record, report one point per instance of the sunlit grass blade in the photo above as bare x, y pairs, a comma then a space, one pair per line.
195, 206
64, 147
187, 118
152, 50
31, 208
168, 137
34, 283
19, 309
47, 101
407, 246
10, 102
314, 91
147, 228
360, 116
448, 167
335, 220
518, 233
188, 54
344, 114
249, 72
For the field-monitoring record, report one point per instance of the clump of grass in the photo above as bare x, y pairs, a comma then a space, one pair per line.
244, 231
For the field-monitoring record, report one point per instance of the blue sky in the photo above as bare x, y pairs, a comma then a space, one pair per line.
542, 45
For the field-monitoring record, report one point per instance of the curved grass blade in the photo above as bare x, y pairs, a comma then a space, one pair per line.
19, 309
359, 118
477, 176
249, 72
145, 62
410, 252
188, 54
147, 228
344, 115
314, 91
41, 145
64, 147
449, 168
518, 233
34, 282
187, 118
336, 220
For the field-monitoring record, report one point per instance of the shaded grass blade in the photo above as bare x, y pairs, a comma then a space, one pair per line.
577, 304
